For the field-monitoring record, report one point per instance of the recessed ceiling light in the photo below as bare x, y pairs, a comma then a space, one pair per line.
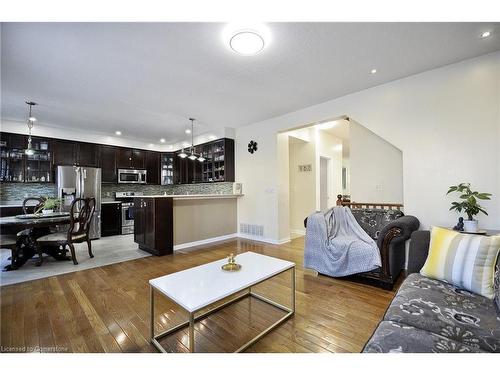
188, 131
486, 34
247, 42
162, 140
118, 132
373, 71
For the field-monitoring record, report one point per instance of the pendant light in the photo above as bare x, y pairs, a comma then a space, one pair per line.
192, 155
182, 155
30, 122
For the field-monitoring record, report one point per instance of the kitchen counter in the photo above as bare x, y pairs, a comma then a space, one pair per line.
164, 223
5, 204
195, 196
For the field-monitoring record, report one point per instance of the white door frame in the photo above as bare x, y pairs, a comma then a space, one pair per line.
329, 180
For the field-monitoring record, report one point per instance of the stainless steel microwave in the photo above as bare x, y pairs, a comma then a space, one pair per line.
131, 176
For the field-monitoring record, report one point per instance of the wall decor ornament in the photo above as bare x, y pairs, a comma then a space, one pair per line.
252, 147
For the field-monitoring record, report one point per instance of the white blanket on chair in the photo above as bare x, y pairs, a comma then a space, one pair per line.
336, 245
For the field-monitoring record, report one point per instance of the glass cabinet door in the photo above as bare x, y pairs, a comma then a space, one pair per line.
167, 169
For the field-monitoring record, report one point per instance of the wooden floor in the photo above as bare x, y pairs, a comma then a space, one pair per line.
106, 309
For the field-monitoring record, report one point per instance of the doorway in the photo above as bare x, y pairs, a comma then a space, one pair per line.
324, 182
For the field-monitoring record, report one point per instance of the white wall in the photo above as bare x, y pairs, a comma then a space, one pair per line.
326, 146
376, 171
302, 187
445, 121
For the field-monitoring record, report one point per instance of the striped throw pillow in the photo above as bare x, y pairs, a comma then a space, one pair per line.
465, 260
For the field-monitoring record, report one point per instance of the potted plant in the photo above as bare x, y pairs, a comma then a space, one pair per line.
49, 205
468, 204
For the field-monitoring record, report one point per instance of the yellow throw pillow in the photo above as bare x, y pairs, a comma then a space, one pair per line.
465, 260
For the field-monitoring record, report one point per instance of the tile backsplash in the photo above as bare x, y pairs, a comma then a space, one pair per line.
18, 191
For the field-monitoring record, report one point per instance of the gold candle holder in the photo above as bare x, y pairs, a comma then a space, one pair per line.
231, 264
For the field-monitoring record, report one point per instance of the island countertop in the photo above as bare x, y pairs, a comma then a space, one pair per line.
164, 223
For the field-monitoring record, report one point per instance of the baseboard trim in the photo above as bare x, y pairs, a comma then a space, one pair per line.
297, 233
204, 242
263, 239
207, 241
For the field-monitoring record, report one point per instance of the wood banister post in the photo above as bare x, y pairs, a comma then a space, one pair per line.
339, 200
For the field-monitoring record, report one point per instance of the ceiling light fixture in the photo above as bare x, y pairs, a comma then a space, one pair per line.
118, 132
486, 34
247, 42
162, 140
30, 122
246, 39
373, 71
188, 131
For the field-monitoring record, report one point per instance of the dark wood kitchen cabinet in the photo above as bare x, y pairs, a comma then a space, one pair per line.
86, 154
64, 152
111, 219
131, 158
138, 159
124, 158
107, 163
75, 153
153, 225
17, 166
217, 167
186, 171
153, 167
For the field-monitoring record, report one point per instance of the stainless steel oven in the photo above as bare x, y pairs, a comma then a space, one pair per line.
127, 217
131, 176
127, 199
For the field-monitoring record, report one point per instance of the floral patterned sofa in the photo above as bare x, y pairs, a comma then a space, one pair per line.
428, 315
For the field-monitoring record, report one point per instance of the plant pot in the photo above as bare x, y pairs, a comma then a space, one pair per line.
47, 211
470, 225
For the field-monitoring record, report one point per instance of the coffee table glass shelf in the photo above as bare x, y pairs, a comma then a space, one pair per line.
199, 287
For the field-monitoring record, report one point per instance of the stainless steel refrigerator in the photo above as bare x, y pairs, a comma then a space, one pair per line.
81, 182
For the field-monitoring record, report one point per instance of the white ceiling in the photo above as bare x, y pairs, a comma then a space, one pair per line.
146, 79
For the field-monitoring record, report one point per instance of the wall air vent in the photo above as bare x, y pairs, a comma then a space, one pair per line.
252, 229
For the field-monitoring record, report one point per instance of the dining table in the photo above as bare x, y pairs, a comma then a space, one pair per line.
38, 225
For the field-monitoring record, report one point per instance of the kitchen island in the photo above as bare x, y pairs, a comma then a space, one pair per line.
164, 223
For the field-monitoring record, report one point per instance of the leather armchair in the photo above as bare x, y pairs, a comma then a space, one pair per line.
390, 229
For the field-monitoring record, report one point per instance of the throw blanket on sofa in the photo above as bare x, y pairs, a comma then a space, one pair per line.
337, 246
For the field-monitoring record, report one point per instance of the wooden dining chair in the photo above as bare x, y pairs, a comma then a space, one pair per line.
81, 213
32, 208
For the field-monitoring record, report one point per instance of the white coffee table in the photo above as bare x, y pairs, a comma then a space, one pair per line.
196, 288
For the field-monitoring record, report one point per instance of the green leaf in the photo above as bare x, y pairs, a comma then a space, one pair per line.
483, 211
485, 196
451, 189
